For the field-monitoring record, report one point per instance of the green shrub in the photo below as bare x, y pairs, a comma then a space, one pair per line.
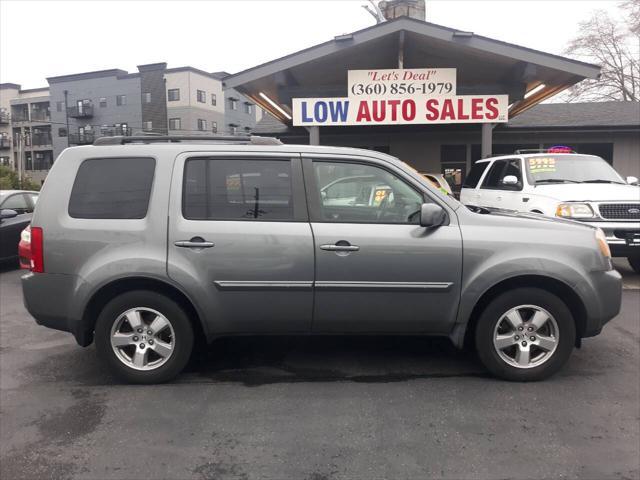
9, 180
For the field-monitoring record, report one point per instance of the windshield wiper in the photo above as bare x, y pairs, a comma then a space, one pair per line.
556, 180
601, 181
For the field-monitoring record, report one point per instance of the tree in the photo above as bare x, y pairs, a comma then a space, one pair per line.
615, 46
9, 180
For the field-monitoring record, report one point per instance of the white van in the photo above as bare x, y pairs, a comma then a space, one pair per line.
568, 185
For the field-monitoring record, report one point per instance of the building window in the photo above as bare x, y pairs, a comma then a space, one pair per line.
202, 124
234, 103
202, 96
147, 126
102, 102
233, 129
121, 100
247, 108
173, 94
59, 106
214, 127
62, 132
214, 100
175, 124
146, 97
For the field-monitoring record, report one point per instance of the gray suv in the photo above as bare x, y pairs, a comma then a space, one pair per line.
148, 245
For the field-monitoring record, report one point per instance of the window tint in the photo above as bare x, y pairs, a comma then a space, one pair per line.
17, 202
112, 188
499, 170
357, 193
475, 174
218, 189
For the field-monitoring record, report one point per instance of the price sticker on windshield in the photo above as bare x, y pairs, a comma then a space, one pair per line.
542, 165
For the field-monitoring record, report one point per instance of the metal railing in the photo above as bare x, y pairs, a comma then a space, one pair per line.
40, 139
4, 118
80, 111
39, 116
5, 143
86, 138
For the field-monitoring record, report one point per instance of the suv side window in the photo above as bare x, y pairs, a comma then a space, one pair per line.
501, 169
237, 189
112, 188
360, 193
17, 202
475, 174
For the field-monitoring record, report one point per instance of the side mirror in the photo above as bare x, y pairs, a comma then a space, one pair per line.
432, 215
510, 180
7, 213
632, 180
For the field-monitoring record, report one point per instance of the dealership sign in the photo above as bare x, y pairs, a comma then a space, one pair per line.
401, 97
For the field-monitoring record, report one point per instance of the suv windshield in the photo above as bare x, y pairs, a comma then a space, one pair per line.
570, 169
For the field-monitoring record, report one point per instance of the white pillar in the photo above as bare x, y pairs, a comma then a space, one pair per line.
487, 139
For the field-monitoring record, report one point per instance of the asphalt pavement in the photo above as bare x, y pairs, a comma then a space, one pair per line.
317, 409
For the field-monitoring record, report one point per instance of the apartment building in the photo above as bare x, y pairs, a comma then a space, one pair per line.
25, 130
78, 108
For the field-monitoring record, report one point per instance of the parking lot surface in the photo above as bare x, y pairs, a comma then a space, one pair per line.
317, 409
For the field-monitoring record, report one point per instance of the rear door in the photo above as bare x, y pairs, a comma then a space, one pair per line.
470, 194
240, 241
377, 269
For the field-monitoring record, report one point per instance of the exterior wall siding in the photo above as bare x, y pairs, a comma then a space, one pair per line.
152, 84
108, 87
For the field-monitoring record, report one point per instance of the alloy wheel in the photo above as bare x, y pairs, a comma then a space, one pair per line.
142, 338
526, 336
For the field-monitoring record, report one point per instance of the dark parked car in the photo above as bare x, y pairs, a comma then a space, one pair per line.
16, 207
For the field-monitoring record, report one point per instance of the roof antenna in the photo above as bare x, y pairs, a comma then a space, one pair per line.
375, 11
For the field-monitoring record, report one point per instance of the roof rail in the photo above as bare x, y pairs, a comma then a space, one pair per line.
247, 140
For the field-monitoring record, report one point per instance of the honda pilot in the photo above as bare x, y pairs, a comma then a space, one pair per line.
147, 246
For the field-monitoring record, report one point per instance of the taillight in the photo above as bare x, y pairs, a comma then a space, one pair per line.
37, 254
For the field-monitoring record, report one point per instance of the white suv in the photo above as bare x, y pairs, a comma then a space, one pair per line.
568, 185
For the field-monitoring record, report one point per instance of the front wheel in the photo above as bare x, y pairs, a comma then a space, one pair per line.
144, 337
525, 334
634, 261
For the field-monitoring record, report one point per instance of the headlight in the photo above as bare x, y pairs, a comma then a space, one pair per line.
601, 238
574, 210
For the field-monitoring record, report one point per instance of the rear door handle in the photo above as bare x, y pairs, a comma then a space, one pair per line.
195, 242
340, 248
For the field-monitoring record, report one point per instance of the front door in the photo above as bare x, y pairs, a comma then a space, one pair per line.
495, 192
240, 241
377, 270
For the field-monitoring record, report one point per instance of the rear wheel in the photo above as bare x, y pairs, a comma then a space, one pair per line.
634, 261
525, 334
144, 337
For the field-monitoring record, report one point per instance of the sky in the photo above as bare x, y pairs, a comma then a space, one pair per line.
40, 39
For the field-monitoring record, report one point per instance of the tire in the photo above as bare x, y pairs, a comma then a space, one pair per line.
143, 310
634, 261
557, 334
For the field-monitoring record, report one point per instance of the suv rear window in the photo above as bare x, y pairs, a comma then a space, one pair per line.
114, 188
237, 189
476, 172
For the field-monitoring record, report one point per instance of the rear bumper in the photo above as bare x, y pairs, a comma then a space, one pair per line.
49, 298
605, 303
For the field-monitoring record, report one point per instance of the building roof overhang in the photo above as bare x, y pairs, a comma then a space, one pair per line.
484, 65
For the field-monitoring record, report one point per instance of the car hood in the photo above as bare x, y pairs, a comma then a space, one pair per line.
530, 216
589, 192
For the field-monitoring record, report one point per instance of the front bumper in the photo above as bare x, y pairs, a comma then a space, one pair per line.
605, 302
617, 234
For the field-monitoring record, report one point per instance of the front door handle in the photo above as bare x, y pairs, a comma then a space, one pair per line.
340, 248
195, 242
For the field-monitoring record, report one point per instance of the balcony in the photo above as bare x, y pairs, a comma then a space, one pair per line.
41, 139
39, 116
5, 143
80, 111
4, 118
85, 138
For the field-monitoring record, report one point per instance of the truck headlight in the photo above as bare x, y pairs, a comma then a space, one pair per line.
601, 238
574, 210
